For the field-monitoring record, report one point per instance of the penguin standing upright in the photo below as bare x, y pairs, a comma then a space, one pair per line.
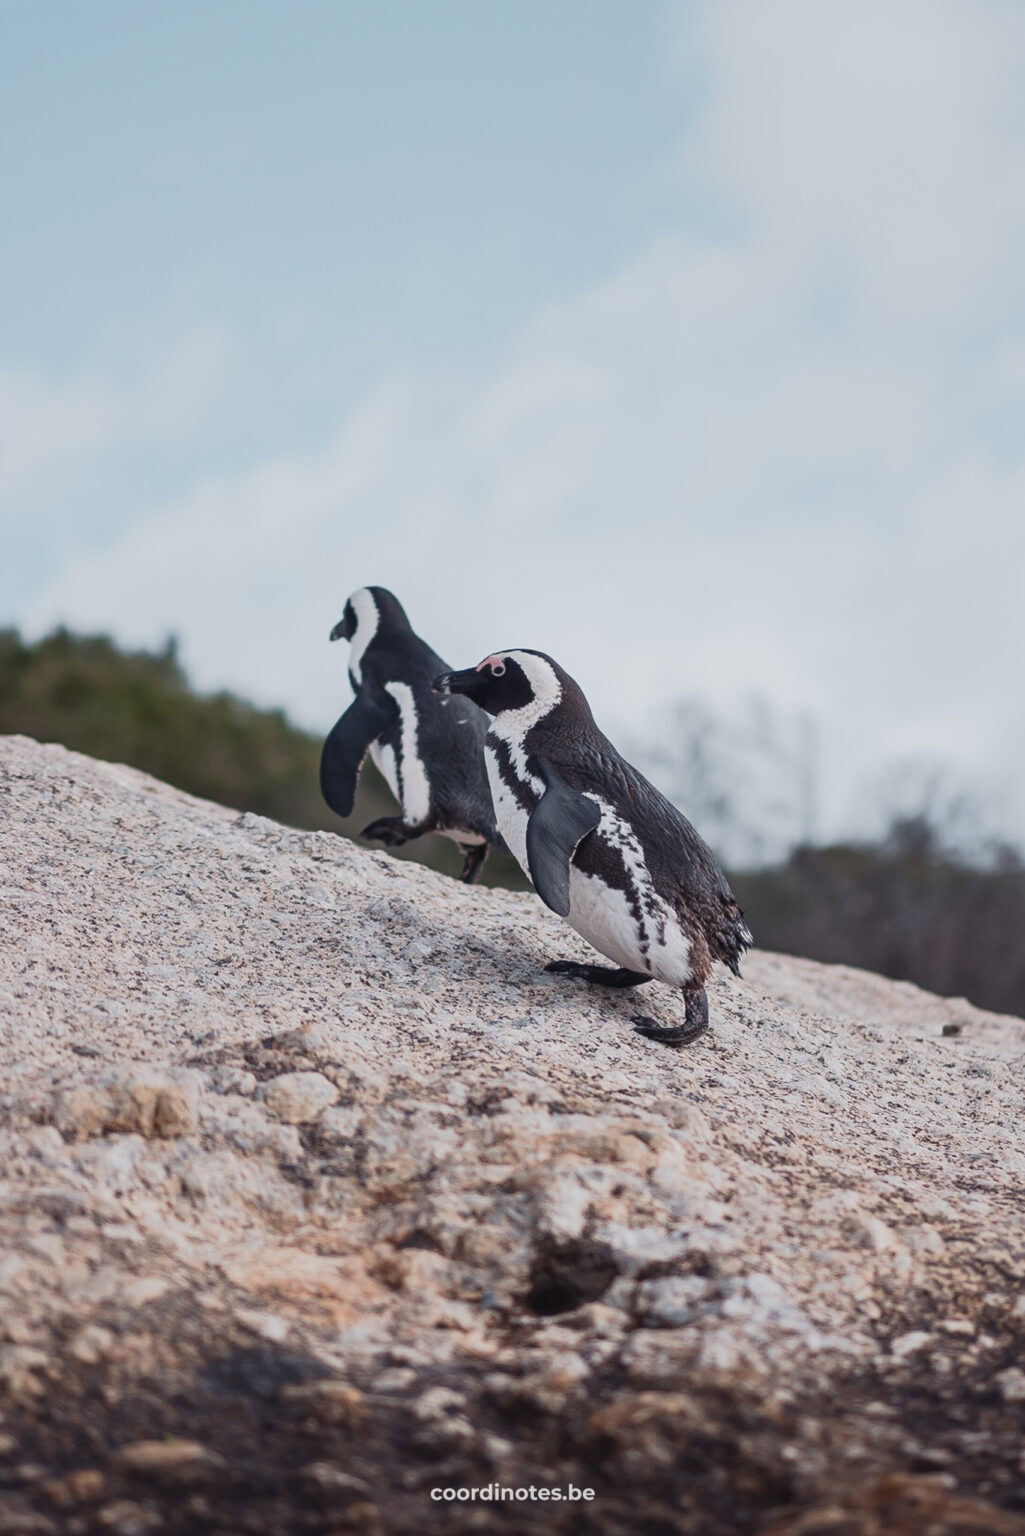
429, 749
602, 847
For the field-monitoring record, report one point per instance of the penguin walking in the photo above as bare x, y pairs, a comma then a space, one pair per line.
430, 750
603, 848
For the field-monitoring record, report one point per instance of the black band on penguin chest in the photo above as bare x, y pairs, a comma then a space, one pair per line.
525, 795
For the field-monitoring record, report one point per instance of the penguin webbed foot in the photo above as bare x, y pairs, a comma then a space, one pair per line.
599, 975
389, 830
694, 1025
474, 855
666, 1034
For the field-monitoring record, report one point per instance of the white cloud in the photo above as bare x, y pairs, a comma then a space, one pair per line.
48, 428
882, 141
771, 460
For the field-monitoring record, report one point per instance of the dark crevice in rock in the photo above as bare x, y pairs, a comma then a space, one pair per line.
563, 1276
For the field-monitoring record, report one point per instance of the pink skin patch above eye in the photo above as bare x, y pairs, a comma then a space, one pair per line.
491, 661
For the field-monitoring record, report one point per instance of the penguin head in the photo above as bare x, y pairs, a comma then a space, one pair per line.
367, 610
346, 626
508, 680
370, 612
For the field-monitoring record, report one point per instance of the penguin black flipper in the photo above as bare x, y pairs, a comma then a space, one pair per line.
346, 747
558, 824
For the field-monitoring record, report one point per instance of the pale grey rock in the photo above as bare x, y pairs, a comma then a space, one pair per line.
333, 1104
1011, 1384
634, 1248
397, 1379
330, 1477
233, 1080
91, 1344
113, 1162
147, 1288
340, 1124
21, 1366
911, 1343
267, 1325
49, 1245
437, 1402
673, 1301
246, 1128
298, 1097
127, 1517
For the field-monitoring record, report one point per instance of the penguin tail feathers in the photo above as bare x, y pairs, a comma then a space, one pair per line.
735, 937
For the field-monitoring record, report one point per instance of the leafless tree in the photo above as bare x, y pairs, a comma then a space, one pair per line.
747, 781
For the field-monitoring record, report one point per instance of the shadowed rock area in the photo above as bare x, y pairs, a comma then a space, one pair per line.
317, 1194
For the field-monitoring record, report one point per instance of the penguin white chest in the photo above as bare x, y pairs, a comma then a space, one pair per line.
624, 916
510, 815
625, 920
602, 915
383, 758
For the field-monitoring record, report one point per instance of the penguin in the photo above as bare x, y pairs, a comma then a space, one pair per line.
430, 750
602, 847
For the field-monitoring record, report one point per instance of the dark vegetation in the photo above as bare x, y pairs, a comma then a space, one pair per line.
908, 905
137, 707
932, 899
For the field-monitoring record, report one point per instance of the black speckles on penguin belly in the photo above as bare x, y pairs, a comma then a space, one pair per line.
603, 858
596, 856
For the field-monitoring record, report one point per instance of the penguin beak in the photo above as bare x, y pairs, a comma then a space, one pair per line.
339, 631
457, 682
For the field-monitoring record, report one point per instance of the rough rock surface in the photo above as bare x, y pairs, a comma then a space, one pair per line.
317, 1194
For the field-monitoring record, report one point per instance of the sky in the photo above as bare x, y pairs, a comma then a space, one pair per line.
684, 341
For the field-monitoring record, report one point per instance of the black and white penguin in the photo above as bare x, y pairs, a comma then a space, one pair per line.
602, 847
429, 749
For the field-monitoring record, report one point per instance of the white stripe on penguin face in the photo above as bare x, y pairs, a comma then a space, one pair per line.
367, 620
512, 725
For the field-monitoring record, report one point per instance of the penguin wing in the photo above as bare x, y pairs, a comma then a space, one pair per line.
346, 747
558, 824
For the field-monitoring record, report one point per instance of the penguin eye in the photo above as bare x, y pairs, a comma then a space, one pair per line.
498, 669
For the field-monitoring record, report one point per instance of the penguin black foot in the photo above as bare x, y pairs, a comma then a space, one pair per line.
695, 1023
474, 855
389, 830
600, 975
